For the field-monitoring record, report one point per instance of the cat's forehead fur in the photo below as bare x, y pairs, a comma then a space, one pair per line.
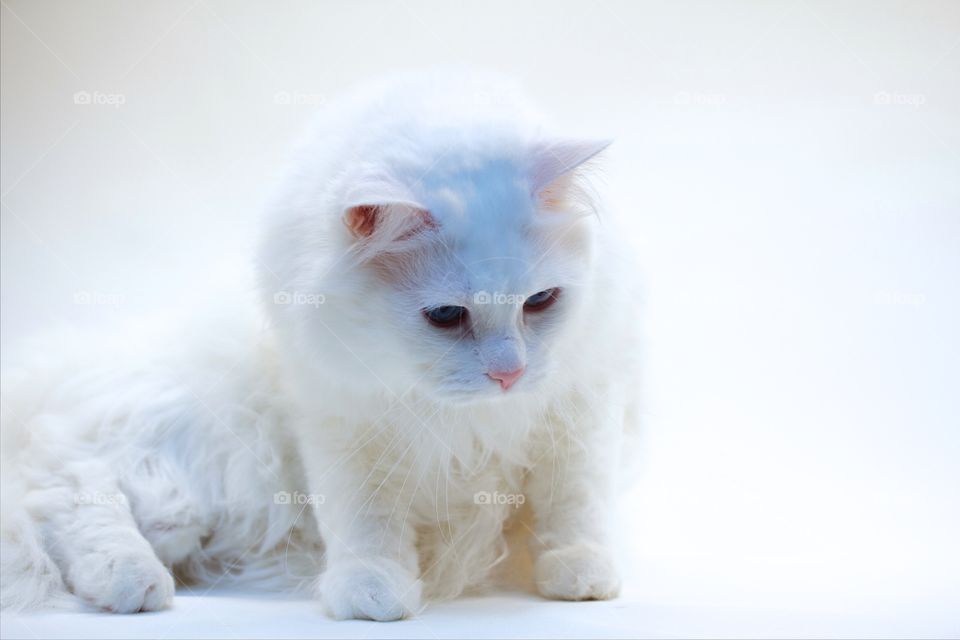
483, 208
491, 236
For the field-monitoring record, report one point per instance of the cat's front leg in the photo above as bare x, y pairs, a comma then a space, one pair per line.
571, 492
372, 566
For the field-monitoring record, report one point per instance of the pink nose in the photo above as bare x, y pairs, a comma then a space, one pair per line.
506, 378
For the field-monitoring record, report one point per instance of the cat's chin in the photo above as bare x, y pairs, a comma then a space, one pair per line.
467, 401
482, 396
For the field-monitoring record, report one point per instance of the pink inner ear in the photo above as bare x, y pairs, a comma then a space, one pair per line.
556, 163
362, 219
555, 194
388, 222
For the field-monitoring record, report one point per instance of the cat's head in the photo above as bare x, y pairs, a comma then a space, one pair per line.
467, 282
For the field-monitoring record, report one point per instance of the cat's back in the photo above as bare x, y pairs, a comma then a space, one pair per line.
140, 378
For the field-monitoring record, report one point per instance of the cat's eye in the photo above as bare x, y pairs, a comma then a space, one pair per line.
542, 300
446, 317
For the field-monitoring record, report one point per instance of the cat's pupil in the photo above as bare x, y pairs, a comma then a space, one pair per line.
446, 316
540, 300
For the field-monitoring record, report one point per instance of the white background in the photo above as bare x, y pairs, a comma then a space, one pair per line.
791, 171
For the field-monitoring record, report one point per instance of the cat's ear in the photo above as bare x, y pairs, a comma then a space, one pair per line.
387, 228
384, 211
555, 165
384, 220
364, 219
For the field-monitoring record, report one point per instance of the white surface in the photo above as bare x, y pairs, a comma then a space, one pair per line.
246, 615
792, 170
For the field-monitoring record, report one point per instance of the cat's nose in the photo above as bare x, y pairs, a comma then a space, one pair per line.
506, 378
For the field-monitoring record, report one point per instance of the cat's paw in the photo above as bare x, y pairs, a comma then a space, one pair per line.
577, 572
373, 589
122, 581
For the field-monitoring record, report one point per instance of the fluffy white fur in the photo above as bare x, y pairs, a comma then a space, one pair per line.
386, 432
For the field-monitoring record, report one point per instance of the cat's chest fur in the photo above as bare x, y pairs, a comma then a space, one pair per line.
427, 457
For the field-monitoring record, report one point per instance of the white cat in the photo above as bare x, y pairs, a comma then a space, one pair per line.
449, 338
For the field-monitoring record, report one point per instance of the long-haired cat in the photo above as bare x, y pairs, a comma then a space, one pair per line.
446, 351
